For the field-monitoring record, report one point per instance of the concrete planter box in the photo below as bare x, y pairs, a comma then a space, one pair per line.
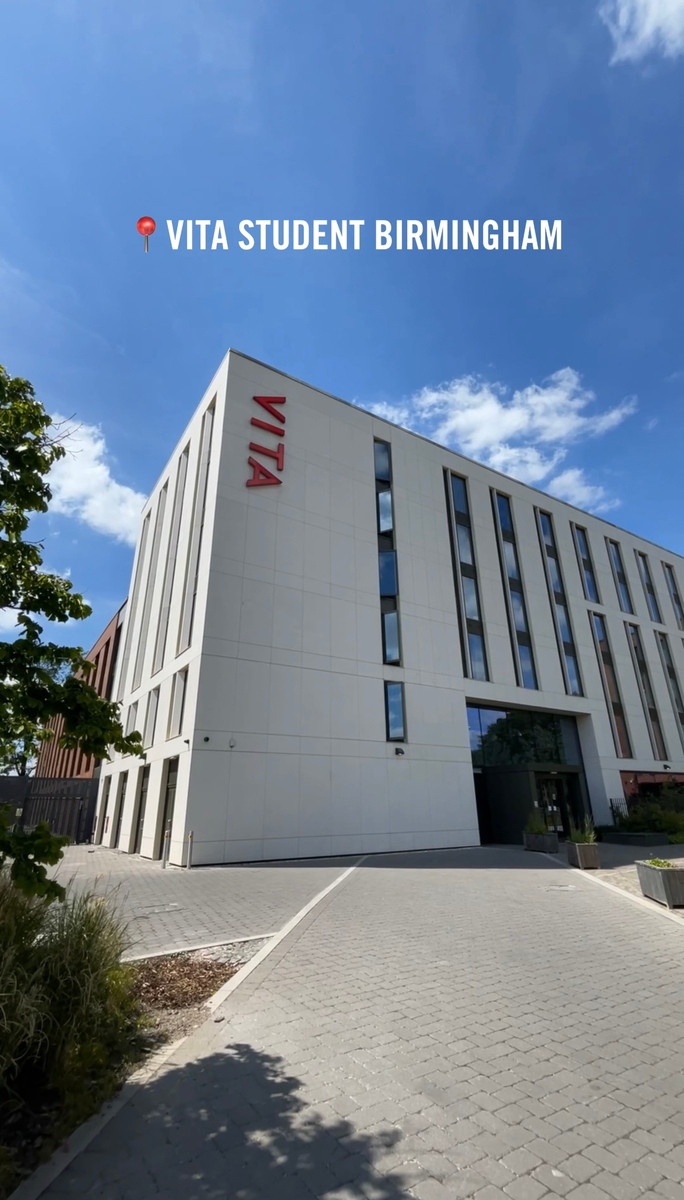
664, 884
584, 855
543, 843
635, 839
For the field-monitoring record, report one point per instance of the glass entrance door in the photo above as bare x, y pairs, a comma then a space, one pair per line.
552, 798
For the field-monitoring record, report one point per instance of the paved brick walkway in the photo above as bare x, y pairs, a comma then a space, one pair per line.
450, 1024
171, 908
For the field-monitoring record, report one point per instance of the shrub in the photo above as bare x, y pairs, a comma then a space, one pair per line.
651, 817
69, 1022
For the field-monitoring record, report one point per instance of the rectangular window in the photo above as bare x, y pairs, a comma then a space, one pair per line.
133, 608
619, 576
170, 564
559, 606
385, 518
671, 580
196, 531
616, 711
177, 708
518, 623
149, 589
587, 573
391, 652
646, 691
388, 572
151, 717
131, 718
383, 463
672, 681
387, 556
465, 579
649, 590
394, 712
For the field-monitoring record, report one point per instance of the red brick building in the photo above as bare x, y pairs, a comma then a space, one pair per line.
55, 763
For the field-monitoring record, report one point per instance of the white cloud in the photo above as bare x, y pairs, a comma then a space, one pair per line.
641, 27
83, 487
8, 620
573, 486
526, 434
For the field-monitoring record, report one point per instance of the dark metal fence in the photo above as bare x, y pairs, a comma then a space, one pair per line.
619, 809
68, 806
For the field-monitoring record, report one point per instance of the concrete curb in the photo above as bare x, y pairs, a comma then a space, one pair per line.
80, 1139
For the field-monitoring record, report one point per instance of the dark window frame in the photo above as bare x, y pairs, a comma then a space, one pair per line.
645, 686
617, 566
615, 707
586, 563
518, 637
675, 595
469, 626
672, 680
646, 576
558, 599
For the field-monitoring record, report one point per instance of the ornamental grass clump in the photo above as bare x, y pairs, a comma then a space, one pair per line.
583, 834
535, 822
70, 1024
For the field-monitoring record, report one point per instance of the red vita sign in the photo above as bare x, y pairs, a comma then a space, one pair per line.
261, 475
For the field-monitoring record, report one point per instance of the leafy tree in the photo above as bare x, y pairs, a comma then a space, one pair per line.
28, 852
19, 756
38, 679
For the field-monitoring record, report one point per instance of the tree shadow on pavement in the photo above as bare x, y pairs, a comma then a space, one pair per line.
235, 1126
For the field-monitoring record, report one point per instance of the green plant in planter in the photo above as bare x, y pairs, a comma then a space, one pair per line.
659, 862
584, 832
535, 822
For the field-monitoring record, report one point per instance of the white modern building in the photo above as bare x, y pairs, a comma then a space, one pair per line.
342, 637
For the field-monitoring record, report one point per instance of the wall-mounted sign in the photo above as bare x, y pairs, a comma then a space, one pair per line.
261, 475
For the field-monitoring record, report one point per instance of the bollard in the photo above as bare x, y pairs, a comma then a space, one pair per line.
190, 839
165, 847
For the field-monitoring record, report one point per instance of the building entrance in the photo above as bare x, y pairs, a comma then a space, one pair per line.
525, 761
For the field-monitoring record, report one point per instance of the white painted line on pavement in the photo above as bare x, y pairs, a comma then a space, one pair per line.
224, 992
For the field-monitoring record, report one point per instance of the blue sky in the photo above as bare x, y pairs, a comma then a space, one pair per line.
566, 369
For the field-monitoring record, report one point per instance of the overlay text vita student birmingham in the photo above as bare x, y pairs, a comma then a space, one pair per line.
188, 234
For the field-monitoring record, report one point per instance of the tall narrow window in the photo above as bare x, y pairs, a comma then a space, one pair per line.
465, 579
170, 564
587, 573
394, 712
196, 530
619, 576
513, 587
131, 718
133, 608
671, 580
646, 691
616, 711
559, 604
120, 809
387, 556
649, 590
151, 717
149, 589
672, 681
177, 707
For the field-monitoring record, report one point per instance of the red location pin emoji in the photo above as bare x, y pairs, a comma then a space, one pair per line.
146, 226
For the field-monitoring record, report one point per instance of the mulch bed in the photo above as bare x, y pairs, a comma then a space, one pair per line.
177, 981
